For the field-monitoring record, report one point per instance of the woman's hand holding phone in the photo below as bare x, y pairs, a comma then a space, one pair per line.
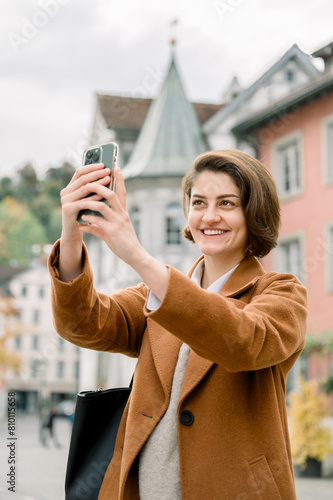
86, 191
70, 262
116, 229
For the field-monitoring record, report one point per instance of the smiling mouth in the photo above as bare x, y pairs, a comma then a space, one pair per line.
212, 232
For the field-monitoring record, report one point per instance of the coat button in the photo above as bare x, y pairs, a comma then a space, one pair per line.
186, 417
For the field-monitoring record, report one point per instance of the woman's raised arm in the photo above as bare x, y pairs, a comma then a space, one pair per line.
70, 258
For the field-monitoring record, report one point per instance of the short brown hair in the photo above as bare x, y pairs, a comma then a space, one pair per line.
259, 197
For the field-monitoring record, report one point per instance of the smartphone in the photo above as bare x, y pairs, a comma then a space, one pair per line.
107, 154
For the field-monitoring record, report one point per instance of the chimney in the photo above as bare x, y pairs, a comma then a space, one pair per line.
326, 53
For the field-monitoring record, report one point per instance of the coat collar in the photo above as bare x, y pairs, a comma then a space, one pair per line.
245, 275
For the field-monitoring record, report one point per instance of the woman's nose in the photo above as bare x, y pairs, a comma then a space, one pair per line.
211, 217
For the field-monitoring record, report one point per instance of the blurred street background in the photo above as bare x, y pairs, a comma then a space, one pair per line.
41, 470
166, 81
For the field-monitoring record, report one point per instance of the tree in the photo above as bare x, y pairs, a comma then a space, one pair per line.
37, 204
28, 185
19, 230
6, 187
64, 173
48, 211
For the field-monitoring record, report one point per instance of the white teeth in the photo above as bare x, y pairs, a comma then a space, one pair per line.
213, 231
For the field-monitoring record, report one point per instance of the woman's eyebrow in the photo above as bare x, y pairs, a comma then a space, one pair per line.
218, 197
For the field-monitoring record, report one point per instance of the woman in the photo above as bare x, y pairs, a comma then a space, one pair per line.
206, 418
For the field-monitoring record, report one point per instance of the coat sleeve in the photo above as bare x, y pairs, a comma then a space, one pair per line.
94, 320
237, 335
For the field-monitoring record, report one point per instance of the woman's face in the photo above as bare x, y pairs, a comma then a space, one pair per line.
216, 218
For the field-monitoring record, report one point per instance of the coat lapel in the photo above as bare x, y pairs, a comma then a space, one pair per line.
165, 349
242, 278
165, 346
196, 369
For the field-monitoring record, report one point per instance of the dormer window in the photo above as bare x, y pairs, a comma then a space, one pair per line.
290, 75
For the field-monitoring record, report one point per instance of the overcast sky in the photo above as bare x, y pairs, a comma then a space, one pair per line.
57, 54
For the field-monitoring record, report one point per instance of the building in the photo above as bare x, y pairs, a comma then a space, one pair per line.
49, 367
293, 70
9, 359
294, 138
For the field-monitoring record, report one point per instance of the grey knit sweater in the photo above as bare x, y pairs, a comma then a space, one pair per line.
159, 477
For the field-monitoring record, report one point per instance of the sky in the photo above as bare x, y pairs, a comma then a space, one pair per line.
56, 55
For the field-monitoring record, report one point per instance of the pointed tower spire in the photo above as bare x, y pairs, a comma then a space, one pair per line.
171, 136
173, 37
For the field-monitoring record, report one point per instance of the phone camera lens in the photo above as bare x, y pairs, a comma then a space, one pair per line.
96, 156
89, 154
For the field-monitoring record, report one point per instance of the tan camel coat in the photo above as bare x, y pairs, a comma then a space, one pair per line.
243, 342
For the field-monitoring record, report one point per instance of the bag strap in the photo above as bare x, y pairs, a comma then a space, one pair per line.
131, 382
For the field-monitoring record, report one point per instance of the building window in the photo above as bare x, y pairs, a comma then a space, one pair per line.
328, 149
60, 369
76, 370
34, 368
290, 75
61, 344
287, 165
41, 292
24, 291
18, 342
290, 256
134, 214
35, 316
329, 250
35, 342
174, 222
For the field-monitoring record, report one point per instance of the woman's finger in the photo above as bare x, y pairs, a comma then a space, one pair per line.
120, 187
77, 191
95, 206
86, 169
83, 175
104, 192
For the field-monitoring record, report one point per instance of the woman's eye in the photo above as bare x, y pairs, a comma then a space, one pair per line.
197, 202
227, 203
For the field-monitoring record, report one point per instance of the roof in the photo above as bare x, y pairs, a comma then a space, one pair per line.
123, 112
7, 272
171, 136
293, 53
325, 52
321, 86
130, 112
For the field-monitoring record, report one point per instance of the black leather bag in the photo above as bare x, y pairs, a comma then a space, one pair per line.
95, 426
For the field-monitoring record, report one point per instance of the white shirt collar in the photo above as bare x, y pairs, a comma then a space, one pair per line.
218, 284
153, 302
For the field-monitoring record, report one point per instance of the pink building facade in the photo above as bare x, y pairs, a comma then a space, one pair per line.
294, 139
307, 214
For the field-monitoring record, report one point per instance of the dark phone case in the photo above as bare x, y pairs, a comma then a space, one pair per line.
107, 154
